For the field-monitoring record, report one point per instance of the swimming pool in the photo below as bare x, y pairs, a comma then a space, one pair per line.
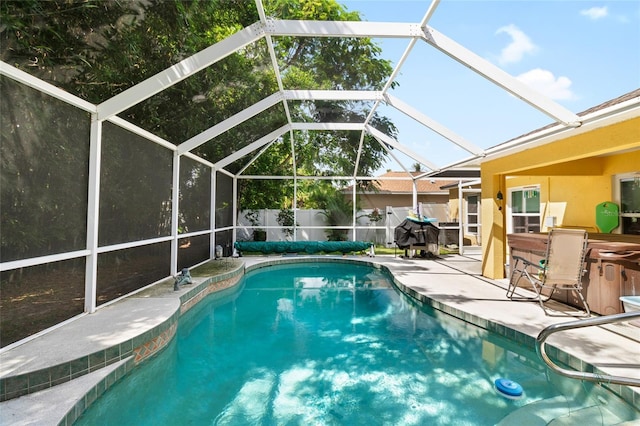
327, 343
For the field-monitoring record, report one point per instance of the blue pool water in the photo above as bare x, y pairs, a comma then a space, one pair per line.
323, 344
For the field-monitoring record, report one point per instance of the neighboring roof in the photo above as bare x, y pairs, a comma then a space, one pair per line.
612, 102
400, 183
465, 184
469, 173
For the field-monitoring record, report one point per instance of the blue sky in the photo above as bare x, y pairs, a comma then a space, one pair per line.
578, 53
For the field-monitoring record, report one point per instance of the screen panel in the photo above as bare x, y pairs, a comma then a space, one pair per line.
224, 239
193, 250
44, 163
195, 196
135, 188
224, 200
124, 271
38, 297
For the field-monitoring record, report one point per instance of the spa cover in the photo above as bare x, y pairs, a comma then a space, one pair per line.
416, 233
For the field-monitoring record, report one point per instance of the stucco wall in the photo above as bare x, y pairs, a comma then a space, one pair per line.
572, 199
454, 205
574, 174
380, 201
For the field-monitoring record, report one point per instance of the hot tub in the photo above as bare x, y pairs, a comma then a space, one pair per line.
612, 268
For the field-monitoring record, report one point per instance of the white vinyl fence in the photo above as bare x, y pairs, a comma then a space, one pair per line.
311, 224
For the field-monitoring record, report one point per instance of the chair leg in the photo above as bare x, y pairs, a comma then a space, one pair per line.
584, 303
513, 281
546, 298
542, 299
518, 272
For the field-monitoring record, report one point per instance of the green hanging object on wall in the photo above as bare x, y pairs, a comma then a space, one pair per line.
607, 216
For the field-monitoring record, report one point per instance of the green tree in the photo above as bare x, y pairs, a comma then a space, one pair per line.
337, 209
96, 49
332, 63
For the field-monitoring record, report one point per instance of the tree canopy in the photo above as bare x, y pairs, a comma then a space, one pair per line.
96, 49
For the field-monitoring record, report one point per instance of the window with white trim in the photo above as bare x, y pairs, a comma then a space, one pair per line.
627, 191
525, 209
473, 214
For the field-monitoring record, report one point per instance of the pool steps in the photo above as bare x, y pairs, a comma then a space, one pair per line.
559, 411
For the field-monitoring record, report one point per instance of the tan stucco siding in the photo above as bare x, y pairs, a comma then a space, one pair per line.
380, 201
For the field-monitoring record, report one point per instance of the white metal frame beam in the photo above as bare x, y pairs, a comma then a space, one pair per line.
282, 27
278, 75
333, 95
93, 215
403, 58
253, 146
124, 124
44, 87
433, 125
180, 71
230, 123
499, 77
327, 126
392, 154
254, 158
175, 211
385, 139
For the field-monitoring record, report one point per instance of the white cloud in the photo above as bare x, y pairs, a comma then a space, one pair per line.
595, 12
520, 45
546, 83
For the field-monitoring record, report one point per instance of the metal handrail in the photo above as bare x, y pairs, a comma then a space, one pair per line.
581, 375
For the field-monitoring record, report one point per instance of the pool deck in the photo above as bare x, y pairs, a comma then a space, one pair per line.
452, 281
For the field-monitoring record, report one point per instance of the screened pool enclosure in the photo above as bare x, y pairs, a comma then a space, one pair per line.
111, 185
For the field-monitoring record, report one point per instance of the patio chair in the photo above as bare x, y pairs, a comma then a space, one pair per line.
560, 270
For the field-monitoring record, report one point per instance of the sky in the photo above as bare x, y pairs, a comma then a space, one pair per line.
577, 53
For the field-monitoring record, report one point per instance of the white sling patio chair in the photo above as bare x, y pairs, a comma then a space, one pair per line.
560, 270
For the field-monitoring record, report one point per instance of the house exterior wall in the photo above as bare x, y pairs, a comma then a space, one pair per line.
455, 210
564, 198
454, 205
572, 199
380, 201
574, 173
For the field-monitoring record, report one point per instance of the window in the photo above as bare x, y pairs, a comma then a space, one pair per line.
525, 210
628, 189
472, 214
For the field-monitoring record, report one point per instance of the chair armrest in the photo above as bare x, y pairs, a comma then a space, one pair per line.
525, 261
533, 271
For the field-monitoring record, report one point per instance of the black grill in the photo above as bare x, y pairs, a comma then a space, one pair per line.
416, 235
